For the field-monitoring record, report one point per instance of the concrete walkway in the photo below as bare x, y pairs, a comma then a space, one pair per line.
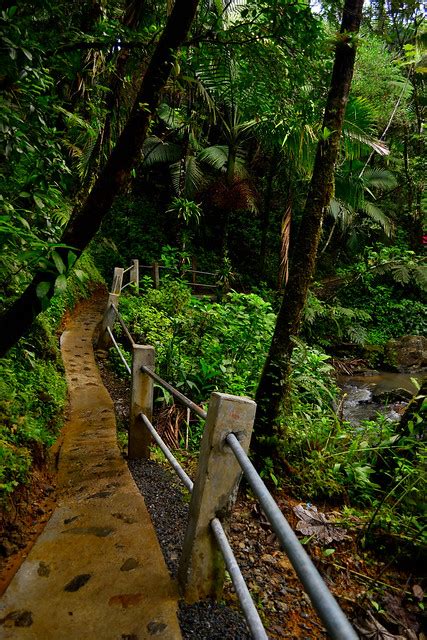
96, 571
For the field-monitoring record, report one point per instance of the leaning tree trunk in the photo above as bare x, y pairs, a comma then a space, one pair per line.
85, 221
273, 388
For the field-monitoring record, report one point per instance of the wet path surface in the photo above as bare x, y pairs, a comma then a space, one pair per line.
97, 570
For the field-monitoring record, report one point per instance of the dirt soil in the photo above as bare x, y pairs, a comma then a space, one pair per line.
23, 520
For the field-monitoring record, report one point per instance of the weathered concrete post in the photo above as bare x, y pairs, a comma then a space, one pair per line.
156, 275
104, 340
116, 287
134, 275
141, 401
201, 570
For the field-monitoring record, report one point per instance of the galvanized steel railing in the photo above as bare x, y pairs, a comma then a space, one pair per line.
322, 599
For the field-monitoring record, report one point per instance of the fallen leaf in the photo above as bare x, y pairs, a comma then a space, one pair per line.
317, 524
373, 630
418, 592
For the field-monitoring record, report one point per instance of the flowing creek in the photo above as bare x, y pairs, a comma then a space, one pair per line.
377, 391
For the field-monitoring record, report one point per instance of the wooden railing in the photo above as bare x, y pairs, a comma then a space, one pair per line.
192, 276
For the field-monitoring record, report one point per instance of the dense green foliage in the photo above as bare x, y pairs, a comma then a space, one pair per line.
203, 346
33, 389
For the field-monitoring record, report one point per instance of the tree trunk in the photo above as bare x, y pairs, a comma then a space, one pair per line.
85, 221
266, 211
273, 389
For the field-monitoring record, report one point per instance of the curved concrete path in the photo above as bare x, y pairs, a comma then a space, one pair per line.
96, 571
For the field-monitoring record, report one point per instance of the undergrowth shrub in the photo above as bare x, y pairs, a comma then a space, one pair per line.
390, 285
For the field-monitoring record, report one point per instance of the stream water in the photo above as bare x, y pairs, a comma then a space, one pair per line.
366, 395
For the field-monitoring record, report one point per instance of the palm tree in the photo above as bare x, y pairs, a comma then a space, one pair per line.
351, 208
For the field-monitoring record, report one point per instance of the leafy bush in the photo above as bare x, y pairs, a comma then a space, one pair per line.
390, 286
202, 346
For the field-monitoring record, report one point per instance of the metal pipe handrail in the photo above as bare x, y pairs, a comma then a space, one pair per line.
123, 326
119, 350
186, 480
128, 269
126, 285
323, 601
177, 394
249, 610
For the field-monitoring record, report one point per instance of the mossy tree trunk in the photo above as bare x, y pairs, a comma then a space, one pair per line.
86, 220
273, 389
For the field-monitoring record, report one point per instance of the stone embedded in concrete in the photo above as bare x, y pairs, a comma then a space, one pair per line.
77, 582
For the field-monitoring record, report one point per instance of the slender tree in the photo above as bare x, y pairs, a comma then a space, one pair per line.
273, 389
85, 221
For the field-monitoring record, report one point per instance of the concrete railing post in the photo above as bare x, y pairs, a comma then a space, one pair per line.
202, 570
116, 287
134, 275
104, 340
141, 401
156, 275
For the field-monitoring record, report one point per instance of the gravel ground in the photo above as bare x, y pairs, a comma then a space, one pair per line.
168, 510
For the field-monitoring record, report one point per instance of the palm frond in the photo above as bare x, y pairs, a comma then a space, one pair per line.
378, 216
84, 162
356, 142
74, 120
155, 151
379, 178
215, 157
342, 213
204, 94
171, 117
358, 128
217, 75
187, 177
420, 276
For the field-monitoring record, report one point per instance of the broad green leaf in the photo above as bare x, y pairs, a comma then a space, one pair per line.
59, 263
71, 259
38, 202
61, 283
42, 289
80, 275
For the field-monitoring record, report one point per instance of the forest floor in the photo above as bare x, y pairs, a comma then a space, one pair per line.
379, 594
380, 597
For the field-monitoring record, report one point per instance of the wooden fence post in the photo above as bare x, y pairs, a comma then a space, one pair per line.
141, 401
134, 275
194, 268
156, 275
201, 571
107, 322
116, 287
